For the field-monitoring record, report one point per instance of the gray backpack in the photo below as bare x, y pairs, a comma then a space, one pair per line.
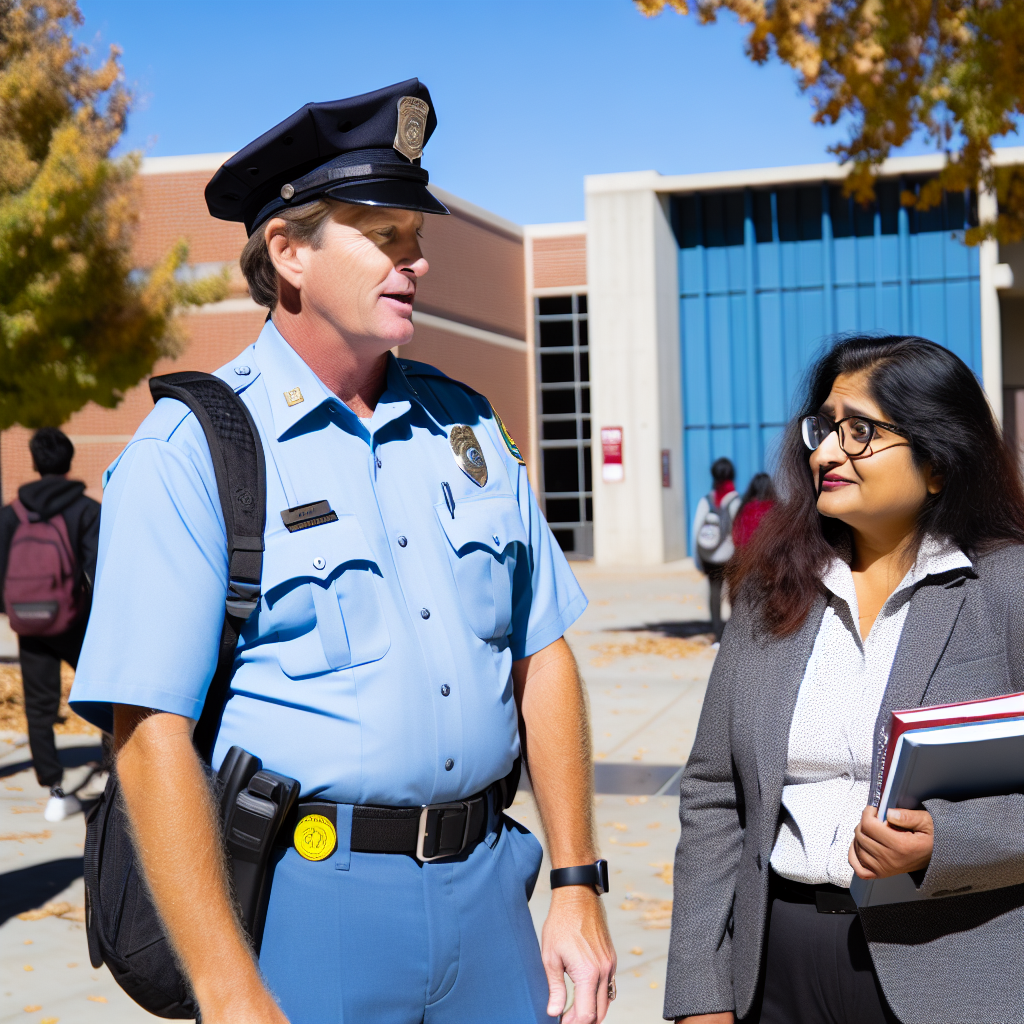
715, 529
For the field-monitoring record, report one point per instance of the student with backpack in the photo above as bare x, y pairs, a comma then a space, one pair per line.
48, 542
712, 533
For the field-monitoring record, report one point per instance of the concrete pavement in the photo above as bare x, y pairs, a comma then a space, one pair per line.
645, 660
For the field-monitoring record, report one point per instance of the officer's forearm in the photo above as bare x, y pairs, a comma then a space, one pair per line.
553, 703
177, 835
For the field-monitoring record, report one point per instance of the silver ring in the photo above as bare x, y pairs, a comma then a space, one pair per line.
611, 988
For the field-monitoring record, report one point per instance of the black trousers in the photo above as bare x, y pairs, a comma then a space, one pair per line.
817, 969
40, 679
715, 575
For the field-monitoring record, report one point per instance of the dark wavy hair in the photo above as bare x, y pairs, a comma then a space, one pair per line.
937, 401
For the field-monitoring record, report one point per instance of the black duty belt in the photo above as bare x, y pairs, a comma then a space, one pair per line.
829, 899
427, 833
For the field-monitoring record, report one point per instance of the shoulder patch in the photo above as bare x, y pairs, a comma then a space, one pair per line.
507, 438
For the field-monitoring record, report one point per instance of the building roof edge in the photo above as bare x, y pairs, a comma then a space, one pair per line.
564, 229
182, 164
653, 181
471, 211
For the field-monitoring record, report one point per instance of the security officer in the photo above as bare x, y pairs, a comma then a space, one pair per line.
397, 641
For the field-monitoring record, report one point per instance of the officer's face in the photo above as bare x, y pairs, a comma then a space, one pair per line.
362, 279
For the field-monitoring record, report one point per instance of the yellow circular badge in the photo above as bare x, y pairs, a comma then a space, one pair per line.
315, 837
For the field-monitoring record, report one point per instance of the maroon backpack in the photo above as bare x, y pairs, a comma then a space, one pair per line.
39, 590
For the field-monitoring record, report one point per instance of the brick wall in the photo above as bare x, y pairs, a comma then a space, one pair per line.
476, 278
560, 262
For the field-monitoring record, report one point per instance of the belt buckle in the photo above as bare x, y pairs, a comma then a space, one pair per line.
421, 836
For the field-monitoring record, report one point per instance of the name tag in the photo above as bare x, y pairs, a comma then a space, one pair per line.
302, 517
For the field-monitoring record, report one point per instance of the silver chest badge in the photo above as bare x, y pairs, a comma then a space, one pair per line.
469, 455
412, 126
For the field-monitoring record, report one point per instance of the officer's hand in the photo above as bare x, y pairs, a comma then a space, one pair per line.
575, 941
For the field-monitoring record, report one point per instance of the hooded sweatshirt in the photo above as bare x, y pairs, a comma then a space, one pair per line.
49, 496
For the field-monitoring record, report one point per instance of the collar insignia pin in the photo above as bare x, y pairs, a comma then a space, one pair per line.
469, 456
412, 126
294, 396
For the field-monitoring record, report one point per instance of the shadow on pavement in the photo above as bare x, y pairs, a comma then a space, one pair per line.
683, 630
70, 757
28, 888
620, 779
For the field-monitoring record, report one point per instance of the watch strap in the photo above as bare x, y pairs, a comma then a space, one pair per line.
595, 875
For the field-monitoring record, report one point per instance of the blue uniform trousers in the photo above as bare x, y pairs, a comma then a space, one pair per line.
364, 937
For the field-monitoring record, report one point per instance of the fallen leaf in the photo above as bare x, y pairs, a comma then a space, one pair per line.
32, 1009
637, 951
15, 789
20, 837
638, 842
654, 984
29, 967
96, 999
634, 800
67, 911
654, 824
72, 965
49, 1020
27, 942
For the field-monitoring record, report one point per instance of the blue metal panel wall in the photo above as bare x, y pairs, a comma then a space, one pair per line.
765, 277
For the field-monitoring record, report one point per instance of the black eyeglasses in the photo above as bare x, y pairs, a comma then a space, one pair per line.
855, 432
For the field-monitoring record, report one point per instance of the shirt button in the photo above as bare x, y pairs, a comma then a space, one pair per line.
449, 765
319, 562
402, 541
242, 371
445, 690
424, 613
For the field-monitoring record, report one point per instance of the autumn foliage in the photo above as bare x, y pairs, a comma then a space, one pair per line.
950, 70
78, 322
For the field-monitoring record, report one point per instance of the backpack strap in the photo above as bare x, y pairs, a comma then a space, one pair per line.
23, 514
240, 468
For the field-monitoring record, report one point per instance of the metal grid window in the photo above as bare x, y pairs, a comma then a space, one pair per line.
563, 372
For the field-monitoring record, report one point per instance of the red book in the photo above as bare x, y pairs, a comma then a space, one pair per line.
991, 708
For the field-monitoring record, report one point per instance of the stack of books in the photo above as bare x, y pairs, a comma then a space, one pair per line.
952, 751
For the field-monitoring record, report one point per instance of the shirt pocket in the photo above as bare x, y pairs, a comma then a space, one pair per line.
482, 535
320, 586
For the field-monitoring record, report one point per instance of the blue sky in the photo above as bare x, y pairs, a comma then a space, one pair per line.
531, 95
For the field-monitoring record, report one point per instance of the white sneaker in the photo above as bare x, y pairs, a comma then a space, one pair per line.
60, 806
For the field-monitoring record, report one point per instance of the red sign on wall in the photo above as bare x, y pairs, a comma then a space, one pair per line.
612, 471
666, 467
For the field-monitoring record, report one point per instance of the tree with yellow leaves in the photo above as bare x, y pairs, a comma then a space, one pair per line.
951, 70
78, 322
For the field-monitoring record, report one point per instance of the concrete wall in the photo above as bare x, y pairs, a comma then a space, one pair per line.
635, 373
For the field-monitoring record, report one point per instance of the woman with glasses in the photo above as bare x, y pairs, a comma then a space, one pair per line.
890, 574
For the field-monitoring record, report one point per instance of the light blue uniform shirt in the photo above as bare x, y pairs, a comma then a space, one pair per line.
339, 673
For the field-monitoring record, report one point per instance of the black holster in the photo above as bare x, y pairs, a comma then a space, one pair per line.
253, 805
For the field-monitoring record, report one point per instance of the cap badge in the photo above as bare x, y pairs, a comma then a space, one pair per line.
287, 191
412, 126
469, 456
293, 397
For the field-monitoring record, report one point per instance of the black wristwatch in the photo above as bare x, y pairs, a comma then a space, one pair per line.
595, 875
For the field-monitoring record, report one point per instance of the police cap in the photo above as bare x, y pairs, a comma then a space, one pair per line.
363, 150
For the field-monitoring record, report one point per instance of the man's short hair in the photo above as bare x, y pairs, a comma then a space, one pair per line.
52, 451
722, 470
305, 224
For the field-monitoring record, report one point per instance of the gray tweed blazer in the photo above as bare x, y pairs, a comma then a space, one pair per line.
957, 958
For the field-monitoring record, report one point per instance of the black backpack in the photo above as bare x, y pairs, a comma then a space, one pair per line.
123, 926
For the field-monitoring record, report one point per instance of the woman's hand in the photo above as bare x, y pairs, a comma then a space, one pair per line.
901, 843
708, 1018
